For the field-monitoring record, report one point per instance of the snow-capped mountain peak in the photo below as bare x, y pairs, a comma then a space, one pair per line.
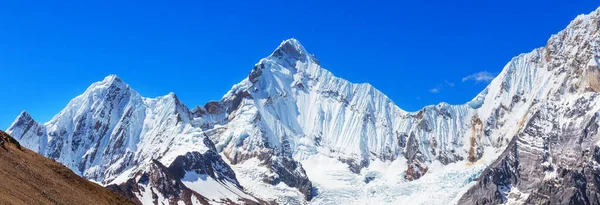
112, 79
23, 116
32, 133
110, 133
290, 48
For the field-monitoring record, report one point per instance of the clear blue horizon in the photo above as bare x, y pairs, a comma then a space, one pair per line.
417, 53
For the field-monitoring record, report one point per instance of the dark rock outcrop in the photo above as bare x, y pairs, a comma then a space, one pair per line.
159, 180
544, 166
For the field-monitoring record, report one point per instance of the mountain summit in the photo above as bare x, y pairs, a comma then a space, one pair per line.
291, 48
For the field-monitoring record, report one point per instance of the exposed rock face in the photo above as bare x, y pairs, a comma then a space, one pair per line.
207, 163
544, 166
167, 185
416, 169
552, 157
158, 185
291, 173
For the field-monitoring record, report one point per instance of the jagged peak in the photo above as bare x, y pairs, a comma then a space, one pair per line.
291, 44
109, 80
23, 121
24, 115
112, 77
170, 102
106, 90
290, 48
171, 96
110, 85
23, 118
586, 16
582, 26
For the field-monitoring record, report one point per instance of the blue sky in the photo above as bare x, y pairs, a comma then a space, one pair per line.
417, 52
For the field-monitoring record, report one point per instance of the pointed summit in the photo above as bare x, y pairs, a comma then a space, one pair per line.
113, 79
112, 82
29, 132
290, 48
23, 119
24, 115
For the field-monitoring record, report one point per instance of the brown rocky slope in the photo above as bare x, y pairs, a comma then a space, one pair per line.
29, 178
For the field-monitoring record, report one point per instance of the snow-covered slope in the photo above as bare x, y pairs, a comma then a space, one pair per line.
292, 132
110, 133
107, 129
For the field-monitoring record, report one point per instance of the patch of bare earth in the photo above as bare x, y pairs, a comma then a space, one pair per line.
29, 178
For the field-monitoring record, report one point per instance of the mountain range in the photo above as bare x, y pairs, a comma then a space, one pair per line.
293, 133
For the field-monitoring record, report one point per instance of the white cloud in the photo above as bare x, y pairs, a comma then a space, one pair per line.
441, 85
483, 76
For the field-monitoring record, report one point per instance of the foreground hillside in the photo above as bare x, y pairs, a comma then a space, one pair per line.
29, 178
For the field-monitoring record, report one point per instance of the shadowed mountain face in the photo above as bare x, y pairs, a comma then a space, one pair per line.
29, 178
